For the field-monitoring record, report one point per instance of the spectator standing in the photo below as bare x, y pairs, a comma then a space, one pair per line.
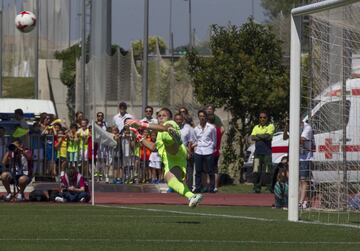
100, 120
101, 152
204, 147
83, 135
210, 110
73, 145
307, 145
128, 158
187, 117
48, 135
155, 162
149, 111
216, 153
19, 117
116, 157
262, 135
79, 116
145, 172
119, 119
61, 148
187, 138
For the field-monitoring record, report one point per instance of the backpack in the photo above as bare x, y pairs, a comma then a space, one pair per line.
38, 195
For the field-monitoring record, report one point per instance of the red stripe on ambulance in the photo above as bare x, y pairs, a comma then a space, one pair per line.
280, 149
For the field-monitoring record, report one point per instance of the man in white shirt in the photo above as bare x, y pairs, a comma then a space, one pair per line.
120, 118
187, 138
204, 147
149, 111
307, 144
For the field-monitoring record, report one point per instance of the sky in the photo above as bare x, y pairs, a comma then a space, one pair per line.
128, 18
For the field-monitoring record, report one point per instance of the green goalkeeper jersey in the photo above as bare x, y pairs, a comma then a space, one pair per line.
164, 140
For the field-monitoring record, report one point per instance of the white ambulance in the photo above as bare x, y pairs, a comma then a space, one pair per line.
329, 118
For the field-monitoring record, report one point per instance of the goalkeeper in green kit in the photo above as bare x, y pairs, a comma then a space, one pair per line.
171, 150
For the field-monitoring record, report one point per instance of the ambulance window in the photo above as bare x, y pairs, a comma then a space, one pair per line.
330, 118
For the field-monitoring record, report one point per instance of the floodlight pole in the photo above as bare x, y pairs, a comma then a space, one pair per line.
145, 58
83, 56
190, 28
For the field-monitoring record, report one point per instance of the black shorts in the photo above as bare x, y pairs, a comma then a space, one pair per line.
17, 177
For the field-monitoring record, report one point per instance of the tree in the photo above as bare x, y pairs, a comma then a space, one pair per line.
68, 74
138, 46
245, 76
274, 8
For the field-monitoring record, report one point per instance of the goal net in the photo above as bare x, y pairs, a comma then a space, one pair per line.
330, 102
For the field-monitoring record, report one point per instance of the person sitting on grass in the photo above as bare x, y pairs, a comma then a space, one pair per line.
171, 150
281, 186
73, 187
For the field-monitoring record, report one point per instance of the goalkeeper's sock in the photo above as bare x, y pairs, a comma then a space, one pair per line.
180, 188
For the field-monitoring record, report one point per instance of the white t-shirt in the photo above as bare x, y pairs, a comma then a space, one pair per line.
118, 120
306, 152
187, 134
150, 121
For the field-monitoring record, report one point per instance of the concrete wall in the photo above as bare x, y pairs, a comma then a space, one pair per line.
51, 87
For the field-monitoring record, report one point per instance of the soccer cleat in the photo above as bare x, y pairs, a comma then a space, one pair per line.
8, 197
195, 200
59, 199
304, 205
19, 197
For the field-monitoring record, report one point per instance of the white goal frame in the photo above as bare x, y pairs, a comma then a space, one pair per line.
295, 83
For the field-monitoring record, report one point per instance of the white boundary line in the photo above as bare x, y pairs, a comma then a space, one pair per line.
228, 216
190, 213
184, 241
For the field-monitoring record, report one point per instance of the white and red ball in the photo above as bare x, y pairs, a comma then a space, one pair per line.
25, 21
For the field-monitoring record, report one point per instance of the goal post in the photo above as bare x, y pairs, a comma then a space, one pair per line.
344, 21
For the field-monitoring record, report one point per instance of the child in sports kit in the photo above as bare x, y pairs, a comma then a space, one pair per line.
73, 145
115, 157
61, 148
155, 162
83, 134
171, 150
145, 172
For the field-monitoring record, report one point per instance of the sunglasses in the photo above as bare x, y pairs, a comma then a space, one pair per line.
100, 115
148, 110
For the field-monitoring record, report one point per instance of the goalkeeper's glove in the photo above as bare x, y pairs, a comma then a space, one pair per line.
137, 123
138, 136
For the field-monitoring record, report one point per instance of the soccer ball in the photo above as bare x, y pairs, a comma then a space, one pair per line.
25, 21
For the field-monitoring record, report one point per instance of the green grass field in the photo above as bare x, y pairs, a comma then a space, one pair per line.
153, 227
